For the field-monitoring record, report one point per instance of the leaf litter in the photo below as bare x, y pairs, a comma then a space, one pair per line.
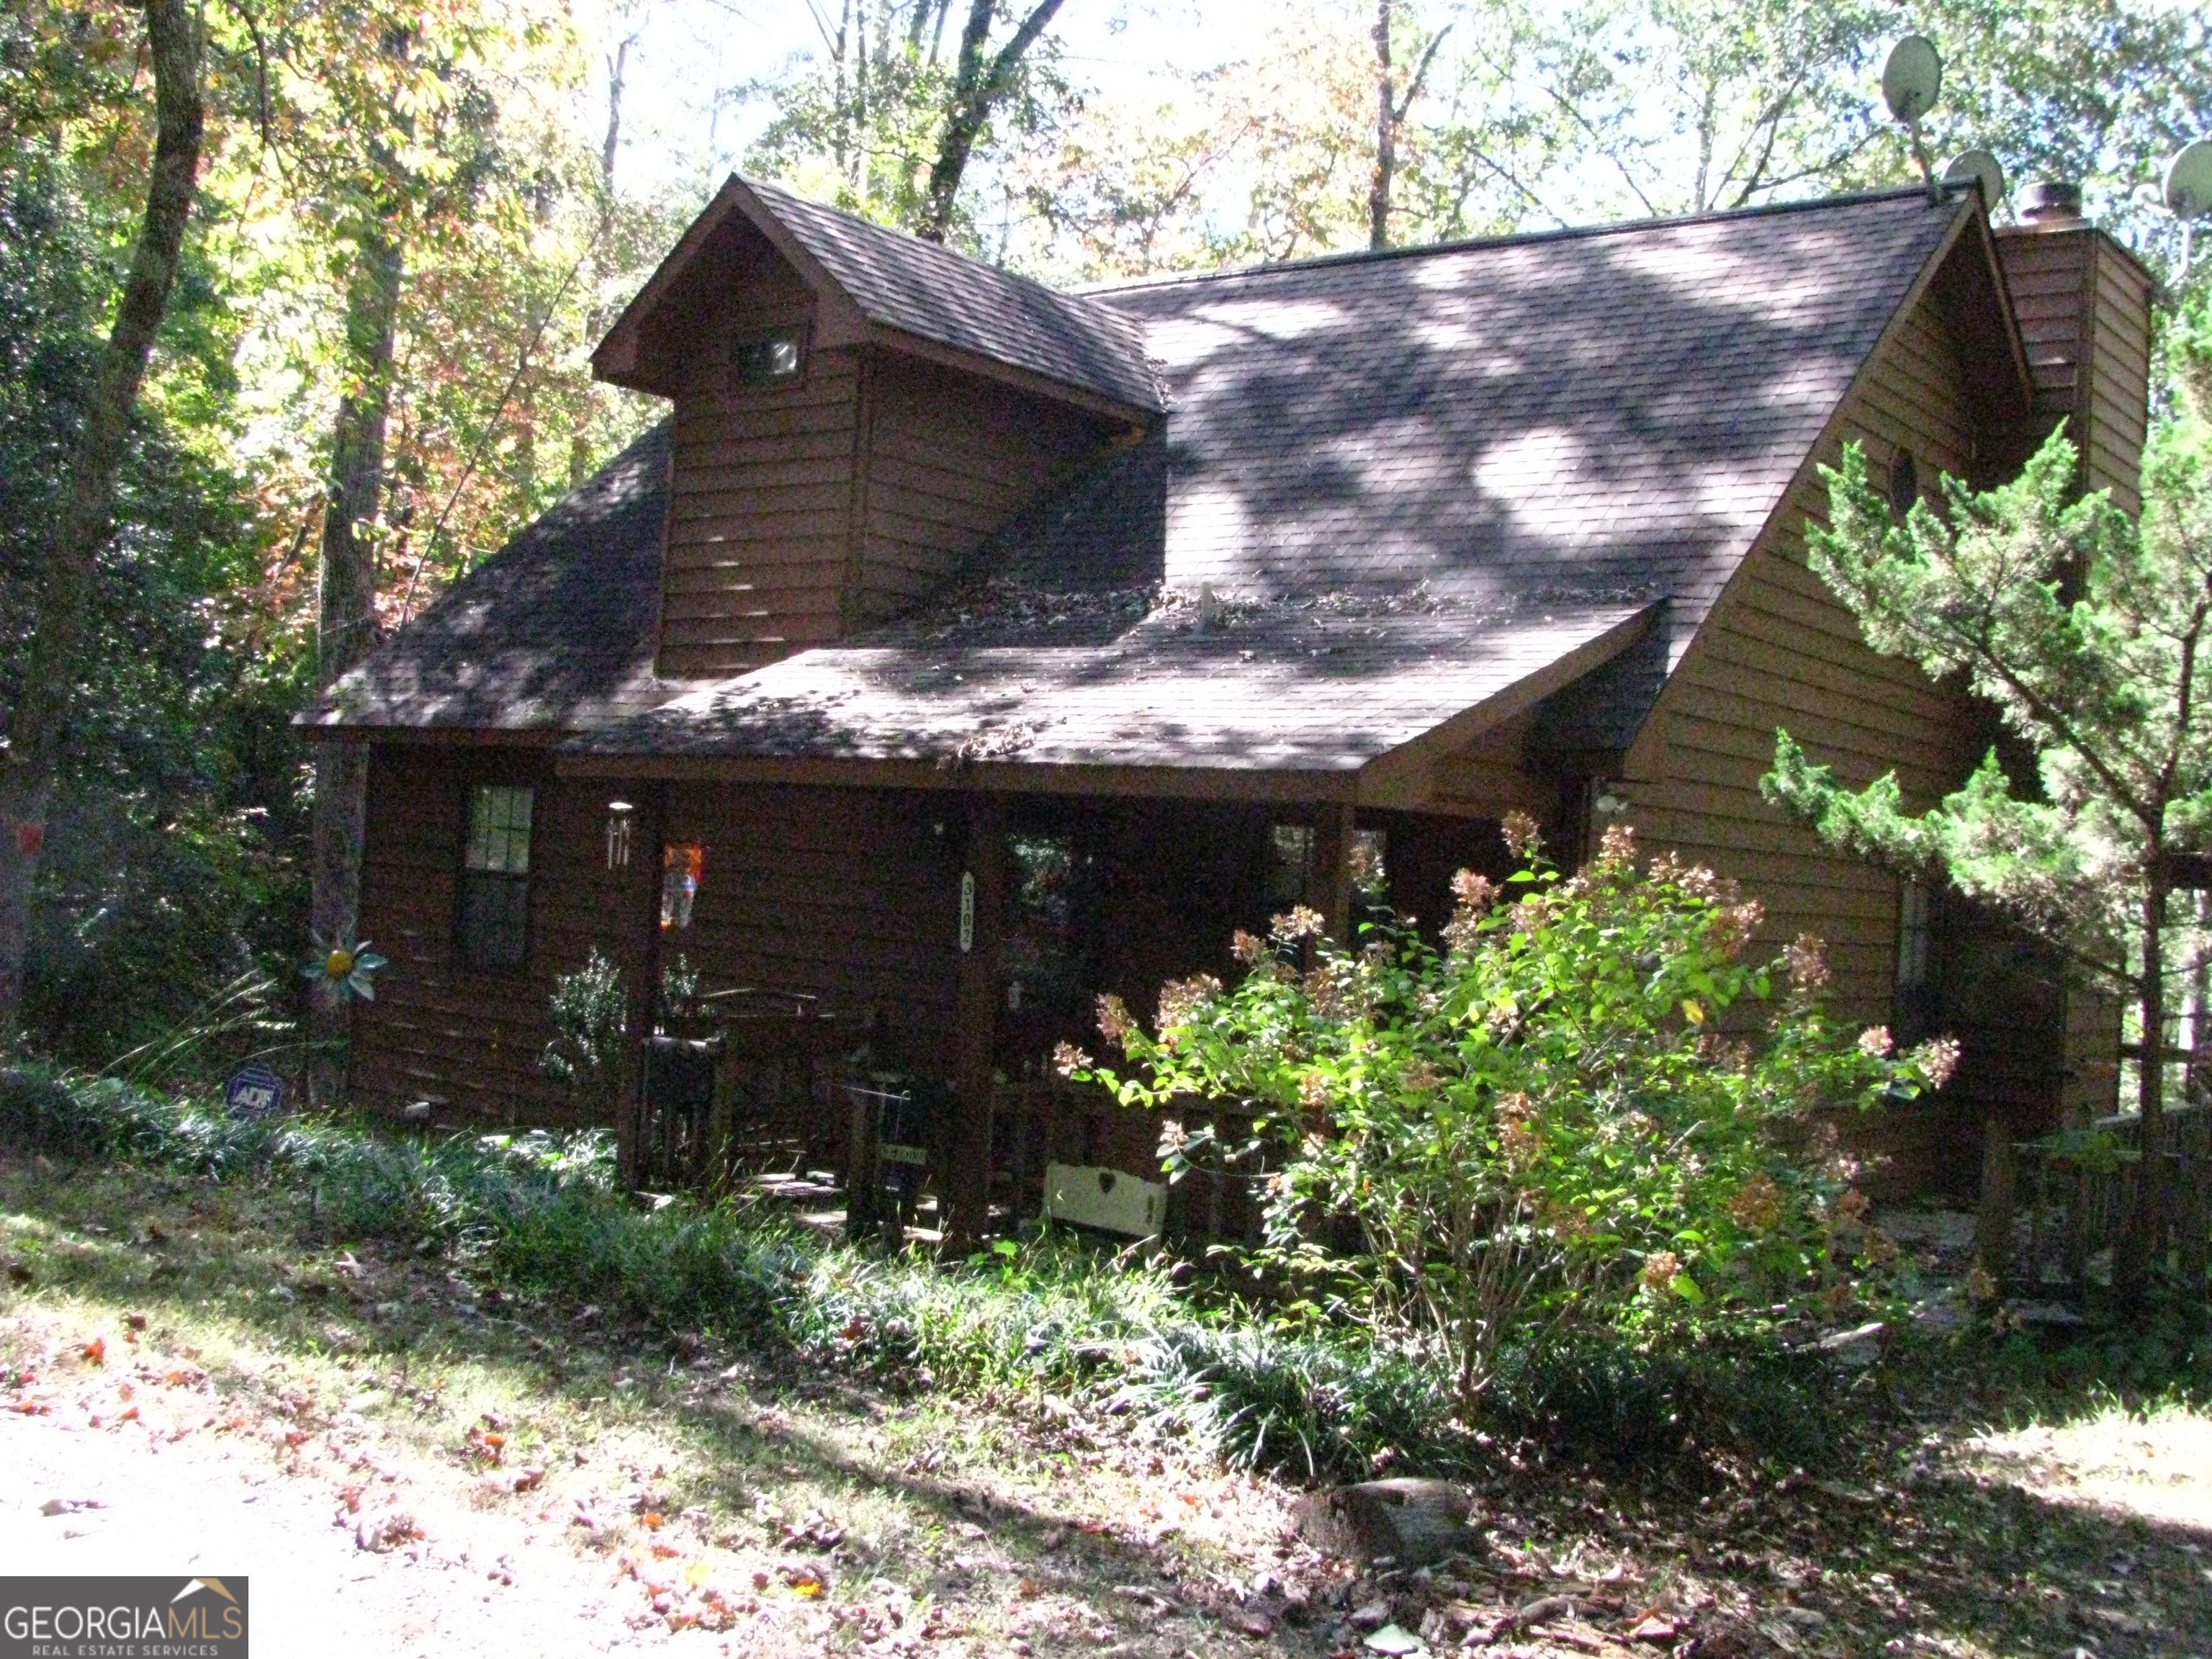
1024, 1524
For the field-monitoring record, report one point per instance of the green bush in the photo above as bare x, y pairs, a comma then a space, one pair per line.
1566, 1120
591, 1011
1048, 1312
680, 1266
67, 1114
1594, 1395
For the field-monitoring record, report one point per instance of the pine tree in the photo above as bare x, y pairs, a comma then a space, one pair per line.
2086, 631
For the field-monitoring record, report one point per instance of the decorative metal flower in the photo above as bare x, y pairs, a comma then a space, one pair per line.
343, 971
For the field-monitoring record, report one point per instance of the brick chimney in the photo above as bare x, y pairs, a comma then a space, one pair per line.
2083, 305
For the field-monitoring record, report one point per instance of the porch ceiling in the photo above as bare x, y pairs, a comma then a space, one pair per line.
1193, 687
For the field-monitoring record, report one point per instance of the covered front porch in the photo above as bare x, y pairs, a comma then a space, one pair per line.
862, 983
933, 854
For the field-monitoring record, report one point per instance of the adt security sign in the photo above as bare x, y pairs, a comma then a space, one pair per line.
253, 1091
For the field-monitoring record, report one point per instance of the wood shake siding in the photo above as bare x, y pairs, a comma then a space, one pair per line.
2119, 378
950, 458
1780, 650
799, 513
2089, 360
759, 512
439, 1029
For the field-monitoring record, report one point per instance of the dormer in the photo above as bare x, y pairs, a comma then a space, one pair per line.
855, 413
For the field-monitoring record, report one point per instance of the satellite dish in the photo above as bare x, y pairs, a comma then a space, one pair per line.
2189, 192
1974, 167
2189, 181
1911, 78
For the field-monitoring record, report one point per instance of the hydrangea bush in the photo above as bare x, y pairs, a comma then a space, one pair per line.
1590, 1106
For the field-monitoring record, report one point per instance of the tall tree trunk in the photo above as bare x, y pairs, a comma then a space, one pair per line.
346, 625
595, 318
1386, 134
1391, 109
617, 71
978, 88
81, 527
2142, 1230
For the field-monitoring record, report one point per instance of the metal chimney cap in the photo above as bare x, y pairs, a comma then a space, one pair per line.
2052, 201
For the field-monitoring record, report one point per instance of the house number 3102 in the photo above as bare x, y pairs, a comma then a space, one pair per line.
967, 910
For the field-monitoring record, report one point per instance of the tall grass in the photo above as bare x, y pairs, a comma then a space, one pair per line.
239, 1021
541, 1214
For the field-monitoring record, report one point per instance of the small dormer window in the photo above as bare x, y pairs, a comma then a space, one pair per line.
767, 359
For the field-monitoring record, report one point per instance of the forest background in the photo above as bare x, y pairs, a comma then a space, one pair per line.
414, 220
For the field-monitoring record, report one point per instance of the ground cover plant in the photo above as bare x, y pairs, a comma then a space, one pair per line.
540, 1214
803, 1447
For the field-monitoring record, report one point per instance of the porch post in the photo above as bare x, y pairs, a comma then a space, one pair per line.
968, 1173
630, 1112
1332, 833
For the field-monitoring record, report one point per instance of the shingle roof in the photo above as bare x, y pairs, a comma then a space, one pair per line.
554, 631
1602, 417
1618, 407
1282, 687
931, 292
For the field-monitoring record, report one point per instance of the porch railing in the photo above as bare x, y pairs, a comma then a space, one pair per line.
745, 1087
1043, 1119
2050, 1207
760, 1085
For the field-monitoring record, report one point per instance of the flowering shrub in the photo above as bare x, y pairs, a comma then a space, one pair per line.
1548, 1124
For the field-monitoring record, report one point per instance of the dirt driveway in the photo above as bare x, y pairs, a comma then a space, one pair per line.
219, 1505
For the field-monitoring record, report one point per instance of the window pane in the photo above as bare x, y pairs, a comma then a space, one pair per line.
1913, 932
1290, 863
1042, 949
499, 829
1904, 484
766, 358
495, 919
1370, 851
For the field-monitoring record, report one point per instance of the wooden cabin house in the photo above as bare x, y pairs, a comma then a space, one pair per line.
959, 648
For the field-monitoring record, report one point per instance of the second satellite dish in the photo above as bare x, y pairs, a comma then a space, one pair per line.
1911, 78
2188, 192
2189, 181
1977, 166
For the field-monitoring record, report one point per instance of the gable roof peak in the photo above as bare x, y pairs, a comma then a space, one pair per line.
902, 292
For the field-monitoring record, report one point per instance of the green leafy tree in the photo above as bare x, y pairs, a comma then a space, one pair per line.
1553, 1123
1677, 106
901, 102
165, 867
2086, 631
1690, 106
86, 519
